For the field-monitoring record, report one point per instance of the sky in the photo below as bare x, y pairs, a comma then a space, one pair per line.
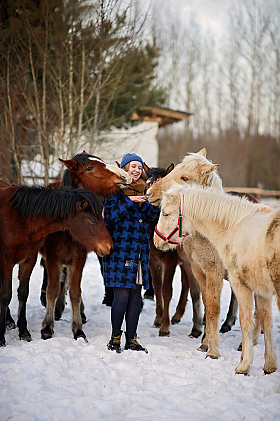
63, 380
210, 13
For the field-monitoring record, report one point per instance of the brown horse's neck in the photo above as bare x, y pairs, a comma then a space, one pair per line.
45, 226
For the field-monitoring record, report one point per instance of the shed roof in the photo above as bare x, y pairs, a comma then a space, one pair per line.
162, 115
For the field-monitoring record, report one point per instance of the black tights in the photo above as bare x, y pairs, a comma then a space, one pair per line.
127, 301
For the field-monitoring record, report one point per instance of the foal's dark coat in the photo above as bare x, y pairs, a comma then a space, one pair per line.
27, 216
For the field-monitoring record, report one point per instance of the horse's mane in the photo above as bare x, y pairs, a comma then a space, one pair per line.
194, 159
35, 201
82, 158
212, 204
66, 179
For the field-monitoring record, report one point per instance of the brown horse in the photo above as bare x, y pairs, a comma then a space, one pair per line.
60, 250
27, 216
205, 261
3, 184
162, 266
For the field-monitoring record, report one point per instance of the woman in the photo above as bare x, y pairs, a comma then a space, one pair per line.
126, 268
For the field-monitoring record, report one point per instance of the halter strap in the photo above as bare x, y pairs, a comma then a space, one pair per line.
179, 228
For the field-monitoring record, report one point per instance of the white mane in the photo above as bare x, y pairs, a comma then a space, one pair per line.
211, 204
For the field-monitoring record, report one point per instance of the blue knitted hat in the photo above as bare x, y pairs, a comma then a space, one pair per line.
131, 157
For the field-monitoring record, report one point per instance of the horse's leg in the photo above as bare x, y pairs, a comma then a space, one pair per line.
197, 310
231, 315
156, 273
60, 301
5, 298
214, 285
264, 310
257, 324
53, 269
43, 298
150, 293
10, 323
189, 282
245, 300
24, 273
183, 300
201, 279
170, 263
75, 276
82, 311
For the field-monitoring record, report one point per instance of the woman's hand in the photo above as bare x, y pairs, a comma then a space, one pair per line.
137, 198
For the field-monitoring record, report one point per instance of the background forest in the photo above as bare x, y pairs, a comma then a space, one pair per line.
75, 68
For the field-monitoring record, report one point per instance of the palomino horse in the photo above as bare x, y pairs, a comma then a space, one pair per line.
247, 237
162, 267
59, 249
205, 261
27, 216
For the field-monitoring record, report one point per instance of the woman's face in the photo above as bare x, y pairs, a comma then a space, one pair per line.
135, 170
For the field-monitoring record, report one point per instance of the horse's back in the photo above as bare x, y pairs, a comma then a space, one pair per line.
253, 251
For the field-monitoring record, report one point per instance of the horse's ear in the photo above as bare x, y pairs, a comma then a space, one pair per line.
203, 152
119, 165
84, 152
170, 168
69, 163
208, 168
146, 168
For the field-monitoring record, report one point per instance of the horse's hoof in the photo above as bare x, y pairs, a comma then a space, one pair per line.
149, 297
203, 348
83, 317
245, 373
195, 333
225, 329
80, 334
25, 336
2, 342
175, 321
163, 333
212, 356
57, 315
156, 324
270, 371
10, 324
46, 333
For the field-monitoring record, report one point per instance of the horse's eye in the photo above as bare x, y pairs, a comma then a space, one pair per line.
184, 178
92, 221
164, 214
89, 168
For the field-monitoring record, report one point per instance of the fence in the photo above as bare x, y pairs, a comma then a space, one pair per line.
267, 196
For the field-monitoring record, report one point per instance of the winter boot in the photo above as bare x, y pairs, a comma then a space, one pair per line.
133, 344
115, 342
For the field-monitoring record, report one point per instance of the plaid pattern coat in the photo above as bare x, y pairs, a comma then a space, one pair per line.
128, 225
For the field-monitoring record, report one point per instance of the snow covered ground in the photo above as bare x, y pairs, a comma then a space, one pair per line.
63, 379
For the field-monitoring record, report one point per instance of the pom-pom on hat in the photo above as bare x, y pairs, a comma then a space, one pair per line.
131, 157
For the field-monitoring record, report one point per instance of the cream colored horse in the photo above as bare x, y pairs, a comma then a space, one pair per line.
247, 237
205, 261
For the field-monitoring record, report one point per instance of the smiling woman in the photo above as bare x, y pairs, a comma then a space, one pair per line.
127, 217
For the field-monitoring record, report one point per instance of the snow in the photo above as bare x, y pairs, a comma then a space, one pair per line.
64, 379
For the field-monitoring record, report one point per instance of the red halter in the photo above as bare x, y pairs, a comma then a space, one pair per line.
178, 228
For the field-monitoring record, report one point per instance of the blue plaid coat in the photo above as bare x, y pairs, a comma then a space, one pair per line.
128, 225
